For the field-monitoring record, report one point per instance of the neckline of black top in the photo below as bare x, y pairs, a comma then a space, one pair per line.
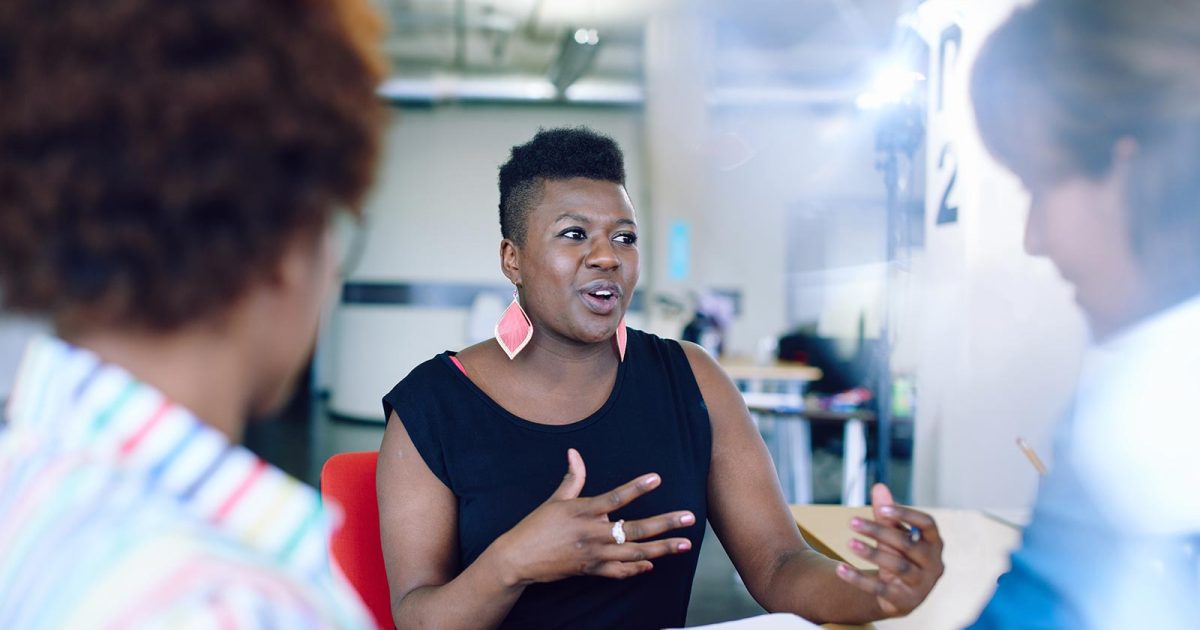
529, 424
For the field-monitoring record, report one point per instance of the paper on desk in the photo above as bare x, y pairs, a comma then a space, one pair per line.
777, 621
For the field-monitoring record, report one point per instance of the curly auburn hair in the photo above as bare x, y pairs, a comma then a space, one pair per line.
559, 153
157, 158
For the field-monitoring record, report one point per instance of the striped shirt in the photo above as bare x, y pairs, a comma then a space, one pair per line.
120, 509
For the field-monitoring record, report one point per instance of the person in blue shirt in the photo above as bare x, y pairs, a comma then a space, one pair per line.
1095, 106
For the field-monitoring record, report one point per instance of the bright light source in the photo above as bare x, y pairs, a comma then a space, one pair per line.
936, 14
893, 84
587, 36
866, 100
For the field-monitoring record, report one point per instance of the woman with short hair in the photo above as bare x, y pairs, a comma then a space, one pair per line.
480, 527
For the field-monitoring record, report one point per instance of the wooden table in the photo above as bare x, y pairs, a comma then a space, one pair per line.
976, 554
744, 370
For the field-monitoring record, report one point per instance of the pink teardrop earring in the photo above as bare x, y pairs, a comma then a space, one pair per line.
514, 330
621, 337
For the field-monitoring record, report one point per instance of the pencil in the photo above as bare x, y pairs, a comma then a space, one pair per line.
1032, 455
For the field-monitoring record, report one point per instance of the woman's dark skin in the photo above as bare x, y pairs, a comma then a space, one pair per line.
580, 233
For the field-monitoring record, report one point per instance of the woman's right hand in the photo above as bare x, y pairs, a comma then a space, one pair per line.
569, 535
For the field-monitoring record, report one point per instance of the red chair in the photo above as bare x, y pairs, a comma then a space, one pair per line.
349, 479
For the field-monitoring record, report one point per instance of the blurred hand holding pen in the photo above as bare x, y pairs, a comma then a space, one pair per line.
1031, 455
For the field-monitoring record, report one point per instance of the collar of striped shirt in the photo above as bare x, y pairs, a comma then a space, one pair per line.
88, 404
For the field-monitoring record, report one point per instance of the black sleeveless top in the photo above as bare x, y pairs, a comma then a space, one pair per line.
501, 467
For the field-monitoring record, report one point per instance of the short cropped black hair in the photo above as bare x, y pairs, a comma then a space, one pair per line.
559, 153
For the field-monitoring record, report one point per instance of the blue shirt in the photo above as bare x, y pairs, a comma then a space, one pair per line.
1113, 538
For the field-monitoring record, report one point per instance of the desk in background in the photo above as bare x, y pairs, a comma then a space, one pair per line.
976, 554
774, 394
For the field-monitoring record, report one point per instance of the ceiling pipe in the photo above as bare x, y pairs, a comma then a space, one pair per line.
454, 88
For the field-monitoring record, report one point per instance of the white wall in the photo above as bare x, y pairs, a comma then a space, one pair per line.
806, 212
1000, 339
739, 175
434, 208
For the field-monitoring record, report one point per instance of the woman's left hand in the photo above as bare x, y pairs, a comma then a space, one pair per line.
908, 551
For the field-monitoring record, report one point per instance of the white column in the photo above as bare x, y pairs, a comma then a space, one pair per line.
1000, 338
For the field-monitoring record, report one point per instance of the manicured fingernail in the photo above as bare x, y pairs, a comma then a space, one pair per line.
887, 510
684, 546
649, 481
856, 523
843, 570
687, 519
857, 545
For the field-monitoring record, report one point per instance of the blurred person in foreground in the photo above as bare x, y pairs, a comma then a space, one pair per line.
169, 176
1095, 106
480, 526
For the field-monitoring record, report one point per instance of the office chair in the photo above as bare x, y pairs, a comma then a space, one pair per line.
349, 479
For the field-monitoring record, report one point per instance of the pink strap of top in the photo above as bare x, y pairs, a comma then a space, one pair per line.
459, 364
